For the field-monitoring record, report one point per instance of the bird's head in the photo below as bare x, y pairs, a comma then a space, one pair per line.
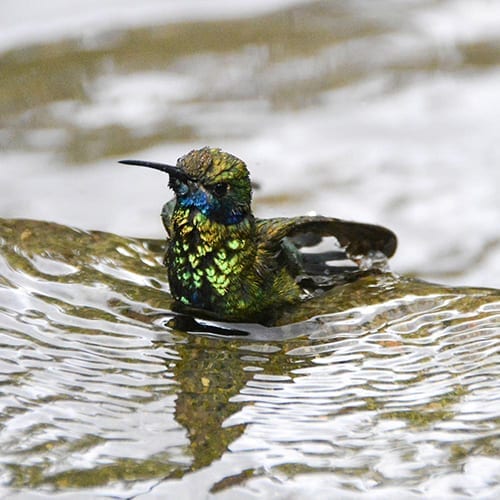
215, 183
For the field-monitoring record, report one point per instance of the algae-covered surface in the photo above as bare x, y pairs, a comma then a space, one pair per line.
384, 386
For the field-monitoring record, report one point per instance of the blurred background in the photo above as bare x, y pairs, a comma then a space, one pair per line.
376, 111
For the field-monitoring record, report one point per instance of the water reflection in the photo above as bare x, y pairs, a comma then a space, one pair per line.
385, 382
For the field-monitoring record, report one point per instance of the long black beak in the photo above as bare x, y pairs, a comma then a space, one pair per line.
162, 167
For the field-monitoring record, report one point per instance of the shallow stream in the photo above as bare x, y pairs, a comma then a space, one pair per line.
376, 111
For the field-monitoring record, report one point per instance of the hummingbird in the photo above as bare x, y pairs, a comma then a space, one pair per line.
229, 265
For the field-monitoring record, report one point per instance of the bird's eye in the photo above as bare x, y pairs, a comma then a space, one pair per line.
220, 189
178, 186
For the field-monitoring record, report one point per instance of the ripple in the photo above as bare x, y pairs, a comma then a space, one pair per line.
101, 383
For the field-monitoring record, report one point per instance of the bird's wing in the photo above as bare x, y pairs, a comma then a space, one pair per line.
166, 215
357, 239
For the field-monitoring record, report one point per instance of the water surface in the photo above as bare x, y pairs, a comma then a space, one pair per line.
382, 386
380, 111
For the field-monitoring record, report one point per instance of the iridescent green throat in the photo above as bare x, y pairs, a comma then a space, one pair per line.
213, 266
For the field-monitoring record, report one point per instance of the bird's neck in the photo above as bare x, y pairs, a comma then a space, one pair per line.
219, 213
194, 224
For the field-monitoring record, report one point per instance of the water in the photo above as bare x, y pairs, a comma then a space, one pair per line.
381, 112
383, 385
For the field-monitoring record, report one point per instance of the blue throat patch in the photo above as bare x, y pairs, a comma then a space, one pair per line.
218, 212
